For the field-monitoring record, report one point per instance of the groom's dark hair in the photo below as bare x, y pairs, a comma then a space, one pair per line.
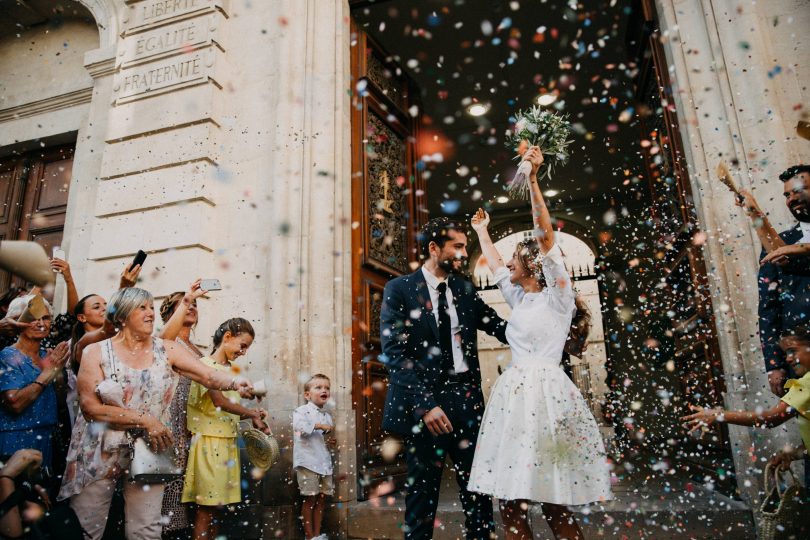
436, 230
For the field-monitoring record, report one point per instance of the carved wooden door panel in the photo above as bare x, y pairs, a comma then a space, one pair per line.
386, 191
34, 192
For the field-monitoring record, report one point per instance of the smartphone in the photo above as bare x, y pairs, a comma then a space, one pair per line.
140, 257
59, 253
210, 285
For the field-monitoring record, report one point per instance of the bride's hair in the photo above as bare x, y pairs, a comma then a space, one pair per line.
528, 256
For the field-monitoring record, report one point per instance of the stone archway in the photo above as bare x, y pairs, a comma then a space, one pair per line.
105, 13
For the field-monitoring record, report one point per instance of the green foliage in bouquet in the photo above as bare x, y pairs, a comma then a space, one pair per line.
549, 130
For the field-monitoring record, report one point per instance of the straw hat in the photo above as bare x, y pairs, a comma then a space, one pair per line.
261, 448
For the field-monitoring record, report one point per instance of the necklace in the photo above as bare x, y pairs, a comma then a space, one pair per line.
132, 350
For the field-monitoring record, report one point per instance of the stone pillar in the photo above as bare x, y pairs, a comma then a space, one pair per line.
729, 107
309, 197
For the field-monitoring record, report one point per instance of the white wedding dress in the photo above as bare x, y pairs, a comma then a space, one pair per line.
538, 439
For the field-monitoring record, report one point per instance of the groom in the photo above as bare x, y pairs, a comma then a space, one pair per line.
429, 322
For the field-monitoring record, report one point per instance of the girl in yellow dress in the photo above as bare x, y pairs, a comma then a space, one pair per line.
212, 473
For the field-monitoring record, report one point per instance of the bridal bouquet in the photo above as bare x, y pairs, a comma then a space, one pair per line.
538, 127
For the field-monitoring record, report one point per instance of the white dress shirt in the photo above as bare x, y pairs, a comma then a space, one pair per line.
309, 447
459, 364
805, 228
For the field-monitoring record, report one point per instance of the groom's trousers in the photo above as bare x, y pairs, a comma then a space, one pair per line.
463, 403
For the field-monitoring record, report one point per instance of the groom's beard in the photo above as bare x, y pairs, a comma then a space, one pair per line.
453, 265
801, 211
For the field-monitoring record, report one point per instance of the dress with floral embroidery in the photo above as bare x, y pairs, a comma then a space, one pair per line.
145, 390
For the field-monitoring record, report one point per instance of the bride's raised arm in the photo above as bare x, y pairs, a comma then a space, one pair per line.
543, 229
479, 222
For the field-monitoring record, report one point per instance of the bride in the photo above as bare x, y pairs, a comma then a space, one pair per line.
538, 441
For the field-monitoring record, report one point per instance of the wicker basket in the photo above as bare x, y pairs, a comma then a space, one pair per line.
261, 448
780, 512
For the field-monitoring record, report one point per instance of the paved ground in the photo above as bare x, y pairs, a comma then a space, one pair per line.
649, 504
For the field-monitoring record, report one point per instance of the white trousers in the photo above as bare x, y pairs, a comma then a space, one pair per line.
142, 504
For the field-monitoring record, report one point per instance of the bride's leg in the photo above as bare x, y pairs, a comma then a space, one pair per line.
562, 522
515, 516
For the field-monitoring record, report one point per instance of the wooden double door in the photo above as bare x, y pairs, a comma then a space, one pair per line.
34, 190
387, 210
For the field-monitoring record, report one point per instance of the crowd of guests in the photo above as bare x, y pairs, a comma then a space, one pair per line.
79, 390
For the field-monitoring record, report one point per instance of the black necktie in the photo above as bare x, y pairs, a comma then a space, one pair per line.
445, 335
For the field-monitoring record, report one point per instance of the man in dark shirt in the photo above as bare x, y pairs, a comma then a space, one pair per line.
784, 283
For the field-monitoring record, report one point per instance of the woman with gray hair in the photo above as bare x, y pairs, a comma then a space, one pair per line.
28, 406
146, 369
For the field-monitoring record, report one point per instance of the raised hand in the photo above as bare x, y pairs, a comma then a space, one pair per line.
56, 357
534, 156
194, 292
61, 266
129, 276
748, 202
11, 328
480, 221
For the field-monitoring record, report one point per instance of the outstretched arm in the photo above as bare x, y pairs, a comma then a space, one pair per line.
543, 228
768, 236
480, 222
773, 417
174, 325
184, 363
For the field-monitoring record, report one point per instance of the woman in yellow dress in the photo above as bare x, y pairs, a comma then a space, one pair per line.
212, 473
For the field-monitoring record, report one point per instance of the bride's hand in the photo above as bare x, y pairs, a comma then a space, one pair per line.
480, 221
534, 156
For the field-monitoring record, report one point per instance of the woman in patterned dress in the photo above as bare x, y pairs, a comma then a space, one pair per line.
146, 370
179, 314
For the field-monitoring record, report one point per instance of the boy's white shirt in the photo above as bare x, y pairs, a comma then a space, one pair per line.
309, 447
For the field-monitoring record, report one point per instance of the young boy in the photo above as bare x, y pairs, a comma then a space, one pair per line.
796, 345
311, 459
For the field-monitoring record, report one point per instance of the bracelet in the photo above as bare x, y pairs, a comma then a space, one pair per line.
44, 386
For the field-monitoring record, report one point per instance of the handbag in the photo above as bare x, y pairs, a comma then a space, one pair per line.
780, 512
146, 467
150, 467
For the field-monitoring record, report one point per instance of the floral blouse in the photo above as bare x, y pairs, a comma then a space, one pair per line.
146, 390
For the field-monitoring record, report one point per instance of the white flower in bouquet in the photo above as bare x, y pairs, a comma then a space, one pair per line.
539, 127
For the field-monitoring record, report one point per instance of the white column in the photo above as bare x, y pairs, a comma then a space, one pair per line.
309, 183
728, 108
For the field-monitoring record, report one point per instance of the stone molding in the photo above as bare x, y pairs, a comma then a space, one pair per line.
42, 106
100, 62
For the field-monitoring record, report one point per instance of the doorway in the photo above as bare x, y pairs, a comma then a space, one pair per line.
34, 189
625, 191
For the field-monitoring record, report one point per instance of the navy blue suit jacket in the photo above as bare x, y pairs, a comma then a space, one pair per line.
410, 344
784, 302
